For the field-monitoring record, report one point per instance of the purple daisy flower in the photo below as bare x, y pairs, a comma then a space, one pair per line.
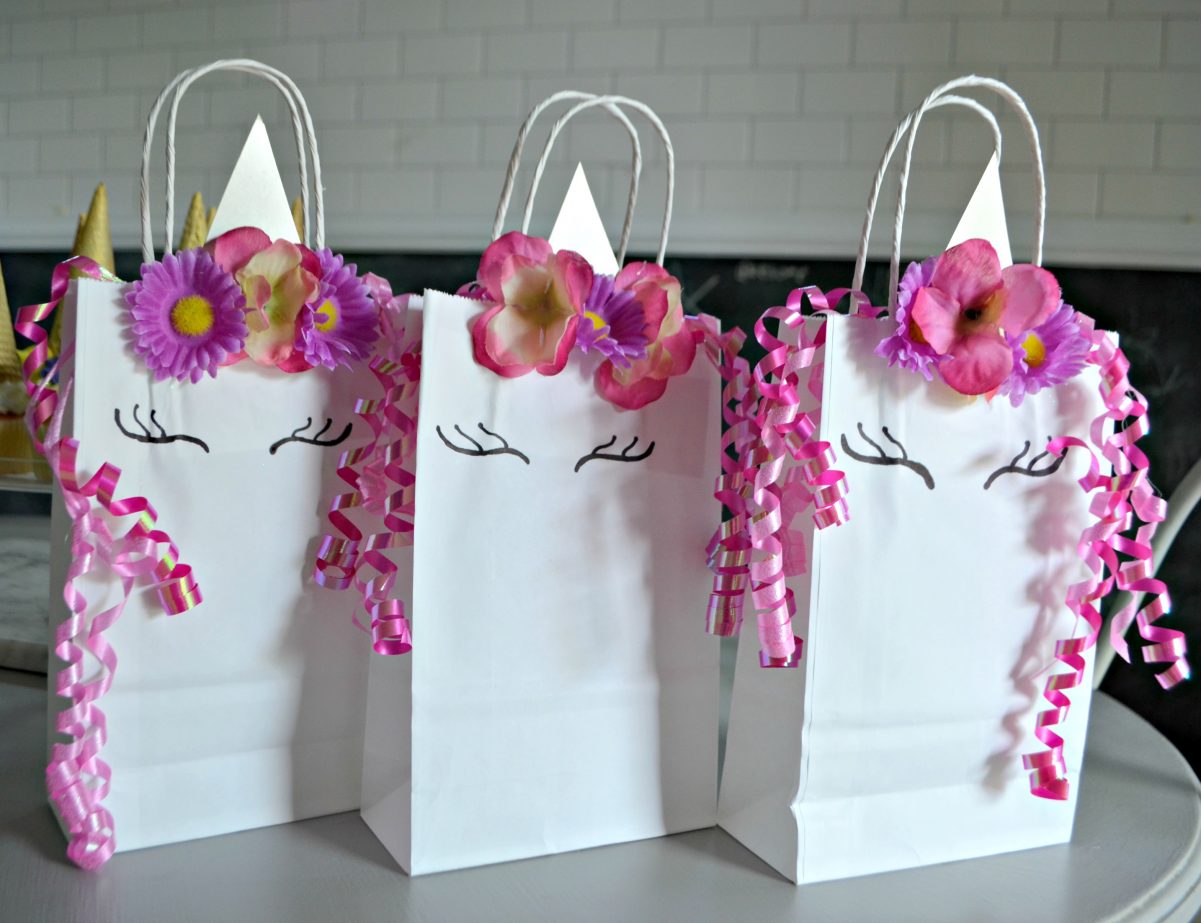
188, 315
1050, 354
342, 322
613, 324
906, 347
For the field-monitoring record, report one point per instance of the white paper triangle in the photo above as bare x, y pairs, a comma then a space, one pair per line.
254, 195
579, 227
985, 214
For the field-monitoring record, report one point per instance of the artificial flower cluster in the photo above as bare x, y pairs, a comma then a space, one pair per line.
542, 304
984, 329
244, 295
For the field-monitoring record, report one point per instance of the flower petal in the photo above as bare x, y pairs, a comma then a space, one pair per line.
969, 272
233, 249
565, 341
491, 345
658, 291
491, 271
936, 315
523, 283
572, 277
294, 363
679, 349
1031, 296
981, 362
628, 396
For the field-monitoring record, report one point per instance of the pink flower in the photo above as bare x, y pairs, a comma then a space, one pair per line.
672, 341
536, 297
278, 278
969, 308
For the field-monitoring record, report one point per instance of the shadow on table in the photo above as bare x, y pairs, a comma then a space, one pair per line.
349, 836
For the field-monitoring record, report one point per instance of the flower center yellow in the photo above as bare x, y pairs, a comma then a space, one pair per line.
192, 316
325, 316
1035, 350
595, 319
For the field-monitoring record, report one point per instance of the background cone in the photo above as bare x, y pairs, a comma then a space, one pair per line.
17, 455
298, 217
96, 239
195, 225
93, 238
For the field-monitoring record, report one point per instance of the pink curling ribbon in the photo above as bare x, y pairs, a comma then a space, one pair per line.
728, 551
1120, 497
777, 550
77, 779
382, 481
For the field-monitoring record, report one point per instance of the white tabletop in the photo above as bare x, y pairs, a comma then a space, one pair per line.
1136, 855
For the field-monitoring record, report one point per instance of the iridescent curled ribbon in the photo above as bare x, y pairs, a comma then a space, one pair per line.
382, 480
77, 779
1120, 497
728, 551
776, 496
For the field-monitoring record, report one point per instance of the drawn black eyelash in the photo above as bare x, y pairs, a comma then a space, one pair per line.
609, 456
477, 449
315, 439
884, 458
159, 438
1028, 469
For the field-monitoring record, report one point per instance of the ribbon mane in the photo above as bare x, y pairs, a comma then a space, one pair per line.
382, 479
758, 540
1119, 498
77, 779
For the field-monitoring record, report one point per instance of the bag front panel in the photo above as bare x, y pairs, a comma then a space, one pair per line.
937, 610
247, 710
563, 695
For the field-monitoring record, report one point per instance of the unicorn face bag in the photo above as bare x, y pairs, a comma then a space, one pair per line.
558, 694
953, 566
247, 709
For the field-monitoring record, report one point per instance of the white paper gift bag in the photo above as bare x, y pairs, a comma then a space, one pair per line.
558, 694
248, 709
953, 564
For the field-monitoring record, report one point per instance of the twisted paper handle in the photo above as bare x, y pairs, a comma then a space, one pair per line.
382, 481
1119, 498
77, 779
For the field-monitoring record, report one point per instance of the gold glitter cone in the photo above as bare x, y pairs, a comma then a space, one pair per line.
17, 455
195, 225
94, 239
97, 236
298, 216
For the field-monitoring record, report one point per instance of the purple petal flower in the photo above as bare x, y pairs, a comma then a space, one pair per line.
906, 347
1048, 355
613, 324
188, 316
343, 322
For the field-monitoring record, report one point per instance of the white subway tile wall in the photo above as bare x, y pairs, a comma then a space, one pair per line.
779, 109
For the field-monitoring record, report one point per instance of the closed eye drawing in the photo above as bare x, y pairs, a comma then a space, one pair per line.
157, 436
598, 453
315, 439
477, 448
883, 458
1029, 469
